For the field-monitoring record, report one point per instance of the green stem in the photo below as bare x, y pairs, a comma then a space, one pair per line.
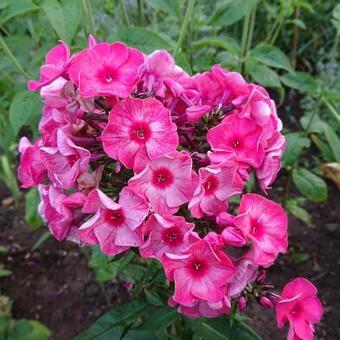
13, 59
331, 108
245, 35
251, 29
88, 9
184, 27
141, 12
125, 13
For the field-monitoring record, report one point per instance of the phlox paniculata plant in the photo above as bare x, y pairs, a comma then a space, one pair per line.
135, 152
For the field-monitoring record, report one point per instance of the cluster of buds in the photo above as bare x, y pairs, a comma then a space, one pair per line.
135, 152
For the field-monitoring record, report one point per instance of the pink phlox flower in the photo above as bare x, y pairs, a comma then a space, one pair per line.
200, 273
106, 70
264, 224
66, 161
31, 170
167, 234
56, 64
237, 138
301, 307
138, 131
60, 211
216, 184
114, 226
167, 182
52, 94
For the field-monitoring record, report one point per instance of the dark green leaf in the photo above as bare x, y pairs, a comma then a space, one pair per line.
317, 125
64, 17
297, 257
4, 272
262, 74
301, 81
326, 151
42, 238
32, 200
271, 56
25, 110
11, 9
143, 39
160, 318
231, 12
221, 329
112, 322
293, 207
182, 61
169, 7
227, 43
153, 298
295, 143
310, 185
333, 141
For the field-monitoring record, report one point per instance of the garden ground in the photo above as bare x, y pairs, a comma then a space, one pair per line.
54, 284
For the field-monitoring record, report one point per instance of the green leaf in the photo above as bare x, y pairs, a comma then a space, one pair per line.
326, 151
143, 39
160, 318
182, 61
64, 16
227, 43
231, 12
310, 185
300, 81
4, 272
262, 74
298, 257
221, 329
32, 200
104, 268
316, 126
25, 109
336, 17
295, 143
110, 323
293, 207
23, 329
333, 141
11, 9
153, 298
42, 238
169, 7
271, 56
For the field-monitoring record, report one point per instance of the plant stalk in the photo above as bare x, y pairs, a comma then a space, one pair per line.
125, 13
88, 9
184, 27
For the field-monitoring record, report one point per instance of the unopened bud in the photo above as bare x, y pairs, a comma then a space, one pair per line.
242, 303
265, 302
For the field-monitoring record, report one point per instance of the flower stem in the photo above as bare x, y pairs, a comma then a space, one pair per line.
88, 10
331, 108
141, 12
184, 27
125, 13
13, 59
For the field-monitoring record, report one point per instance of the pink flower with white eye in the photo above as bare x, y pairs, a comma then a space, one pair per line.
106, 70
264, 223
267, 172
31, 170
158, 67
166, 183
56, 64
65, 162
168, 234
60, 212
138, 131
301, 307
216, 184
200, 273
202, 308
115, 226
237, 138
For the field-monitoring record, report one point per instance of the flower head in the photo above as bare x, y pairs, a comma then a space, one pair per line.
166, 183
106, 70
300, 306
139, 130
114, 226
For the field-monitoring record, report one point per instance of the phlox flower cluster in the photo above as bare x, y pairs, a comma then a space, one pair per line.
135, 152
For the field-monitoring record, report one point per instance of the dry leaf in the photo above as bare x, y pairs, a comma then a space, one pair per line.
332, 171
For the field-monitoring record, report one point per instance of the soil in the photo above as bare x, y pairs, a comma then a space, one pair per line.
54, 284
